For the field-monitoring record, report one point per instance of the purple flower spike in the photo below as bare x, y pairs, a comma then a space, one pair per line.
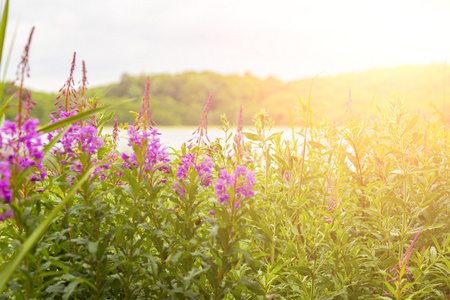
404, 262
24, 97
241, 182
20, 149
68, 92
203, 170
155, 155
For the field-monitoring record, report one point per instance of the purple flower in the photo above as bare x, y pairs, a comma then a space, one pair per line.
115, 134
88, 140
81, 139
203, 170
145, 114
23, 146
25, 104
20, 149
202, 130
68, 92
334, 200
155, 156
404, 262
241, 182
83, 86
5, 173
7, 215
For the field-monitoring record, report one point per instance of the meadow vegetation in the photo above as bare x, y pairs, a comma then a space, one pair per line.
355, 211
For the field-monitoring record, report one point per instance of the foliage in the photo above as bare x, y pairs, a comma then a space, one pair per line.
358, 211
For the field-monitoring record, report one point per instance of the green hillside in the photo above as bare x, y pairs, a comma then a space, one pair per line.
179, 99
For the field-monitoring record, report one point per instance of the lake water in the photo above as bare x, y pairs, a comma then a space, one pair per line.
176, 136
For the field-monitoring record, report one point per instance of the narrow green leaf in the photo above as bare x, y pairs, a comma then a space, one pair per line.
276, 135
105, 119
54, 140
77, 117
70, 289
70, 120
411, 123
392, 199
253, 286
5, 105
252, 136
398, 171
93, 247
316, 144
303, 270
424, 169
3, 27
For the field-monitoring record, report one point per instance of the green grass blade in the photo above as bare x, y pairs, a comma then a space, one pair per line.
76, 118
3, 27
55, 140
70, 120
7, 271
4, 106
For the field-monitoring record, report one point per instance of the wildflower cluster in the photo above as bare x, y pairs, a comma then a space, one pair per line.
79, 137
153, 156
20, 149
233, 188
78, 146
203, 170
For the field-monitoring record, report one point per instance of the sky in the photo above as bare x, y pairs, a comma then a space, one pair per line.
287, 39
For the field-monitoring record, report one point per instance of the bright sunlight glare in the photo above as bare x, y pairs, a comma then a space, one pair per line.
286, 39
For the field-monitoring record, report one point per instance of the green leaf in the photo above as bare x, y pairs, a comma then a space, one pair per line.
316, 144
252, 136
92, 247
424, 169
253, 286
392, 199
54, 140
5, 103
433, 226
70, 120
68, 291
398, 171
3, 27
78, 117
391, 289
304, 270
411, 123
223, 236
8, 269
105, 119
276, 135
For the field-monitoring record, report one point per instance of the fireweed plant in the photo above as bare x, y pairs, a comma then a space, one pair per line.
356, 211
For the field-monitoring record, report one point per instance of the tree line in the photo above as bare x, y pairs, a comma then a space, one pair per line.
179, 99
